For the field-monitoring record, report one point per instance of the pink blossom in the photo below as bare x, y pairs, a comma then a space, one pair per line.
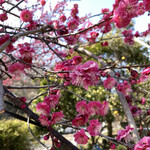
51, 100
124, 88
134, 73
16, 68
135, 110
104, 108
125, 134
73, 24
143, 101
148, 112
93, 36
43, 2
85, 75
57, 116
3, 17
81, 137
94, 107
43, 108
80, 120
62, 18
76, 60
104, 43
146, 4
44, 120
143, 144
109, 83
146, 71
26, 15
141, 9
46, 137
94, 128
82, 107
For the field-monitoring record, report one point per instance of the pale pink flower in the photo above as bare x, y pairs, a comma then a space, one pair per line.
26, 15
104, 108
94, 107
57, 116
94, 128
81, 137
44, 120
43, 108
143, 144
85, 75
109, 83
82, 107
125, 134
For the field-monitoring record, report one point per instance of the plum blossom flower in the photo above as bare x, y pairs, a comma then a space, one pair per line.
94, 107
44, 120
94, 128
146, 71
104, 108
85, 75
26, 15
81, 137
125, 134
109, 83
124, 88
80, 120
57, 116
146, 4
51, 100
43, 108
143, 144
82, 107
135, 110
16, 68
3, 17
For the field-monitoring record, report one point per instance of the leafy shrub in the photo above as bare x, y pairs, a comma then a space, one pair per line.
14, 135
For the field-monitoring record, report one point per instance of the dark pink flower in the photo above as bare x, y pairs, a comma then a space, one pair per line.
43, 2
46, 137
82, 107
26, 15
79, 120
81, 137
109, 83
73, 24
124, 88
51, 100
135, 110
125, 134
143, 101
143, 144
146, 4
43, 108
3, 17
16, 68
94, 107
76, 60
57, 116
85, 75
146, 71
104, 108
94, 128
44, 120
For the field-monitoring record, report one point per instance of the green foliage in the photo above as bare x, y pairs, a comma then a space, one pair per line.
14, 135
120, 147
